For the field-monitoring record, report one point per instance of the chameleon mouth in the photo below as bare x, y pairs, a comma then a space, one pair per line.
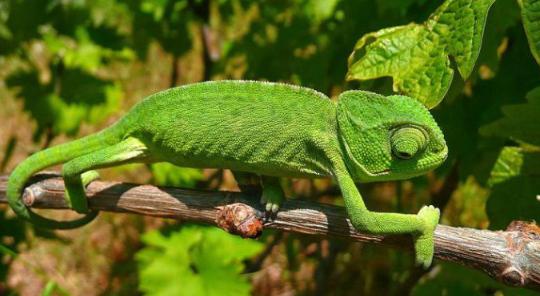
382, 173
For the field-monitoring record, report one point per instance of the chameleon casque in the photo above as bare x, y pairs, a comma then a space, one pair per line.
263, 130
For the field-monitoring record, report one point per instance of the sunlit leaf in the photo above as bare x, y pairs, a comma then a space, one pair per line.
195, 261
417, 55
82, 98
166, 174
81, 52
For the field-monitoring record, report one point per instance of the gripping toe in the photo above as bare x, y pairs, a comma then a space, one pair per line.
424, 245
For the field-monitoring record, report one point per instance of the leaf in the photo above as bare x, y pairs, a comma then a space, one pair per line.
416, 55
520, 122
515, 184
461, 118
49, 288
467, 207
164, 21
82, 98
320, 10
7, 251
166, 174
194, 261
81, 52
530, 13
503, 15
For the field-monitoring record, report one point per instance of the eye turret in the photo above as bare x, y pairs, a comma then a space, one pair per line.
407, 141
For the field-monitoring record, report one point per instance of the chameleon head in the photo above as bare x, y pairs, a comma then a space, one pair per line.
388, 138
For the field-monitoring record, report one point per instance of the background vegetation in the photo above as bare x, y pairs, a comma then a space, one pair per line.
71, 67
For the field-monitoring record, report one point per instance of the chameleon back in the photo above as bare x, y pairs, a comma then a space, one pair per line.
270, 128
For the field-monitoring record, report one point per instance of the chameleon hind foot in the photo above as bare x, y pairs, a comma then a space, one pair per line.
80, 205
424, 246
272, 195
267, 187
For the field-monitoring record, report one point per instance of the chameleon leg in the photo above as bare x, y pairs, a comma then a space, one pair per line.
421, 226
267, 187
272, 196
79, 172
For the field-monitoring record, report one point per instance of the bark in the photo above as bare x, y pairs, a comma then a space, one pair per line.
511, 256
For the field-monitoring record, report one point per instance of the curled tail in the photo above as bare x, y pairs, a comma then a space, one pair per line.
46, 158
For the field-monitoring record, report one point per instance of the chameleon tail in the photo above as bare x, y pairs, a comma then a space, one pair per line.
50, 157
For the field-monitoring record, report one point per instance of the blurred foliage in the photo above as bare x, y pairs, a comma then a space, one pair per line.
166, 174
195, 261
11, 234
58, 46
452, 279
515, 187
68, 67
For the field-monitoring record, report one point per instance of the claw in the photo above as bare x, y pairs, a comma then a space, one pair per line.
271, 205
268, 207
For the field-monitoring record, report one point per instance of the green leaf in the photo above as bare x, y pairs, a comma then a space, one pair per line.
49, 288
82, 98
81, 52
7, 251
520, 122
164, 21
515, 184
194, 261
166, 174
530, 13
320, 10
416, 56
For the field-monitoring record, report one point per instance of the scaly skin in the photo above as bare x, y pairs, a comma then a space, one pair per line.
262, 129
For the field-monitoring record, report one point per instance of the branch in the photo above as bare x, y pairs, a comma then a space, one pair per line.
510, 256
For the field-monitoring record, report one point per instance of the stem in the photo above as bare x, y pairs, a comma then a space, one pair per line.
509, 256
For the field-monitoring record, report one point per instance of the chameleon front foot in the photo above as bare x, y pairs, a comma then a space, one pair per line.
424, 246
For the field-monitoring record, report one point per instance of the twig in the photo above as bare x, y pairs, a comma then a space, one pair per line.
510, 256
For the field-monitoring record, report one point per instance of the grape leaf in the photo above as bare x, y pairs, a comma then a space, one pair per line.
530, 13
320, 10
81, 52
515, 184
166, 174
416, 55
82, 97
194, 261
520, 122
164, 21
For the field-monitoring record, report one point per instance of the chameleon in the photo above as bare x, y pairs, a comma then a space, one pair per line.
261, 131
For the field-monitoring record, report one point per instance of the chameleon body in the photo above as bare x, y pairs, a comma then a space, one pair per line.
262, 129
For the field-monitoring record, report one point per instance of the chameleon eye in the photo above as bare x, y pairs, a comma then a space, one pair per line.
407, 141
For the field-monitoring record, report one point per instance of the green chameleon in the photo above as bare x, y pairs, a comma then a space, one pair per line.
261, 130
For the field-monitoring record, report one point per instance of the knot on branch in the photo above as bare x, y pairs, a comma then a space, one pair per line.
240, 219
523, 243
30, 195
